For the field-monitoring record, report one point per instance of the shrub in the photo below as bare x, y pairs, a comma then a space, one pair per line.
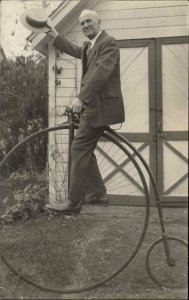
28, 203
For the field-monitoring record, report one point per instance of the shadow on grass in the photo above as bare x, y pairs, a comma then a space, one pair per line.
71, 252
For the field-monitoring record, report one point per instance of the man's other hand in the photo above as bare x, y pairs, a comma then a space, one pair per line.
52, 31
76, 105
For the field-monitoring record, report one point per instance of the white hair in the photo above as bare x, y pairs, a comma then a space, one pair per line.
89, 12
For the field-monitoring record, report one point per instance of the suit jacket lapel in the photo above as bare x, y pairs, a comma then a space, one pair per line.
91, 54
84, 57
92, 51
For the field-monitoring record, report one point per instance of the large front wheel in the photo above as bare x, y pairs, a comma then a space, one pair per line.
77, 252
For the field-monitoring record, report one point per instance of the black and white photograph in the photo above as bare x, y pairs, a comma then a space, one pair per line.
94, 149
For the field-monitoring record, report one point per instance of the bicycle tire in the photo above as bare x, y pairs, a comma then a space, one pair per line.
109, 137
159, 270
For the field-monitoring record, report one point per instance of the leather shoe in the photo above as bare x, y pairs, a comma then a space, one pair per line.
67, 207
97, 199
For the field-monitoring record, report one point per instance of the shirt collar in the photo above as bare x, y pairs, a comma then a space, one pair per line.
94, 39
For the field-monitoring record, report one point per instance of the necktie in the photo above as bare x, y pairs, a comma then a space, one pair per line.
89, 48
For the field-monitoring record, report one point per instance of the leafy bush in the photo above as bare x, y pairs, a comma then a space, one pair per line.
23, 99
29, 202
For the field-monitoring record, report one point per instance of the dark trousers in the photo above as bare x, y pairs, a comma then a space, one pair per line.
85, 175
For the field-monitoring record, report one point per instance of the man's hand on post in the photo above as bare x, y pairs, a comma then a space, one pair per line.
76, 105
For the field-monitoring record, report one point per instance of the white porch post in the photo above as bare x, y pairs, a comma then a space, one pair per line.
51, 122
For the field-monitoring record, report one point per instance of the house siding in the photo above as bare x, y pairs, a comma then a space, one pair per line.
66, 85
141, 19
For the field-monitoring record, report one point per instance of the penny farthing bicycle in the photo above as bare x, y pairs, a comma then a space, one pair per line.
90, 248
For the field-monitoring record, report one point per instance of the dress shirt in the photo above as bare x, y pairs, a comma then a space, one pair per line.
92, 42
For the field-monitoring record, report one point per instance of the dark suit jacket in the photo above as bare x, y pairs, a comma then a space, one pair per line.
100, 84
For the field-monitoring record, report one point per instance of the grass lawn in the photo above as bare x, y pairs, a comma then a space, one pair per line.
70, 252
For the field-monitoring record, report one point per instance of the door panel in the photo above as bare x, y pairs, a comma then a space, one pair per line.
175, 168
175, 86
173, 123
134, 64
134, 79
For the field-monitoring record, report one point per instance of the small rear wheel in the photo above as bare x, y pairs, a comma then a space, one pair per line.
163, 273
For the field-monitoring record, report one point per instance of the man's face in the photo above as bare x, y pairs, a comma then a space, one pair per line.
90, 25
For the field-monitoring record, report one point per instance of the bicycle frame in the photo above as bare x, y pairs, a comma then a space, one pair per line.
170, 260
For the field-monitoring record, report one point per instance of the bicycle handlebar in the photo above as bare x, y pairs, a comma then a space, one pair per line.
73, 116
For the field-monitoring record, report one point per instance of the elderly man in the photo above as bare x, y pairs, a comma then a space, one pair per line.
101, 102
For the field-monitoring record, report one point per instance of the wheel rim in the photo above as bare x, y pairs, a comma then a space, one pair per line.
158, 268
88, 217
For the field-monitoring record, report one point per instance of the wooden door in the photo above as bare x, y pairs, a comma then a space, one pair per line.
138, 89
154, 80
172, 119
